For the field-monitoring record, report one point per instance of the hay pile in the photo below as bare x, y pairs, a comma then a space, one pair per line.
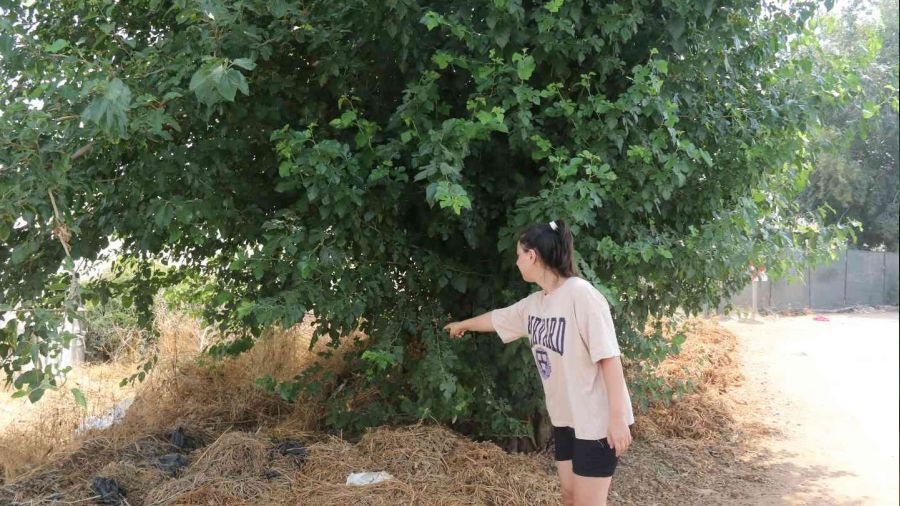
709, 363
238, 435
208, 397
216, 395
430, 465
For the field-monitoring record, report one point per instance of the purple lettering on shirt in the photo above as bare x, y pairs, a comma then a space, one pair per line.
547, 332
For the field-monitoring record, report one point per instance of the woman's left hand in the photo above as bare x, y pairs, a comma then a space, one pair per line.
618, 436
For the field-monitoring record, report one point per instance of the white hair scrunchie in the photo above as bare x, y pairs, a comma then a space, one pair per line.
553, 226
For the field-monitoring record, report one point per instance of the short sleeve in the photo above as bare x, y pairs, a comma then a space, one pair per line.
595, 324
511, 322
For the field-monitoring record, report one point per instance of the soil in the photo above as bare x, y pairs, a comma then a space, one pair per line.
826, 386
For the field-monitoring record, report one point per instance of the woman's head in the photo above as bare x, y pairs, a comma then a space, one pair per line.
545, 246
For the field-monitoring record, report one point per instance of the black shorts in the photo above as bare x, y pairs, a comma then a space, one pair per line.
590, 457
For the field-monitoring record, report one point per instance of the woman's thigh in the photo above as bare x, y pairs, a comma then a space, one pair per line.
590, 491
566, 481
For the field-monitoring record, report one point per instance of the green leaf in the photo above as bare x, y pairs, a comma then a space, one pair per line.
662, 66
201, 80
32, 378
525, 67
36, 395
431, 20
245, 63
5, 230
245, 308
459, 283
554, 5
229, 82
278, 8
79, 398
164, 215
213, 82
870, 109
285, 168
501, 36
442, 59
348, 117
267, 383
675, 26
109, 111
57, 46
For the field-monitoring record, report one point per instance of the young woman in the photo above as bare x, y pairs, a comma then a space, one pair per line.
574, 346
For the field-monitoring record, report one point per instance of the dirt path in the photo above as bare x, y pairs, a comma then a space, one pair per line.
829, 390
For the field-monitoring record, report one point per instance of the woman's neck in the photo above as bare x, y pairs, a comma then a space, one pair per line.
550, 281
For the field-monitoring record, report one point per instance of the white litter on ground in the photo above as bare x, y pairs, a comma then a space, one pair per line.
357, 479
106, 420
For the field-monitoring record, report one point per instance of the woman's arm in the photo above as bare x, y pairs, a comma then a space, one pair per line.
619, 435
481, 323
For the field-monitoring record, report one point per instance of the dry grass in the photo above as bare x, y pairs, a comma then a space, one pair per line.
181, 391
430, 465
708, 360
230, 470
238, 428
33, 434
138, 481
213, 395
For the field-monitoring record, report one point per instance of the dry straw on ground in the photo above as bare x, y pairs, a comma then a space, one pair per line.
237, 430
430, 465
32, 435
181, 391
708, 360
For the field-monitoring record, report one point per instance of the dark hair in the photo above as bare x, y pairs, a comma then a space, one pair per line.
555, 247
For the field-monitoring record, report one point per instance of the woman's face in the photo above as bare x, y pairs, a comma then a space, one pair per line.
527, 262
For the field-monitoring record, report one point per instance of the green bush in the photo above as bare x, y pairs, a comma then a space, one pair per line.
112, 333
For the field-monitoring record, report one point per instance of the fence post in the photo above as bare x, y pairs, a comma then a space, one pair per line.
753, 289
846, 269
809, 287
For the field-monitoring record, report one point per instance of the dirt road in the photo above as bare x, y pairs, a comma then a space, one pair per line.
829, 389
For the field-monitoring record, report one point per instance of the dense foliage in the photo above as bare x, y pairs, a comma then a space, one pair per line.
858, 168
373, 162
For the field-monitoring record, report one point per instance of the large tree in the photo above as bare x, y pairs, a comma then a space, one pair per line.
858, 168
373, 162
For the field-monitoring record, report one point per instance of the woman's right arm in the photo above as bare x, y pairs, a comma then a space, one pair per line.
481, 323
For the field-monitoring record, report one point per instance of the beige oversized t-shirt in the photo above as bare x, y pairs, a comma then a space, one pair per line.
570, 330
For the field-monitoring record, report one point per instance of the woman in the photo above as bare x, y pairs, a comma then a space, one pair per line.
574, 345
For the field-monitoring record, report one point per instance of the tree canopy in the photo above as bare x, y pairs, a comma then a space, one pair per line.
373, 162
858, 168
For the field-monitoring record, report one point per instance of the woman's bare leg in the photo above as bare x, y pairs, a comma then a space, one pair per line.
591, 491
566, 481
